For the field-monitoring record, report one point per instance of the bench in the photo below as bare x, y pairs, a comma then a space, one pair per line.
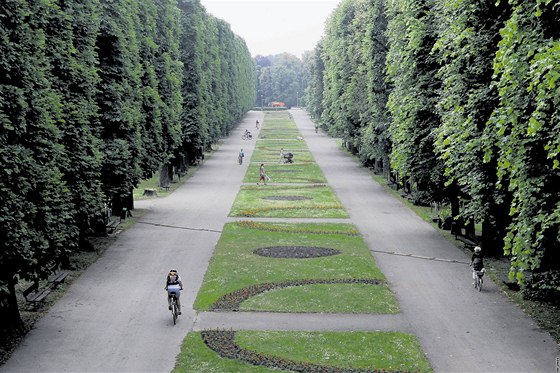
469, 244
112, 225
34, 295
166, 187
58, 277
150, 192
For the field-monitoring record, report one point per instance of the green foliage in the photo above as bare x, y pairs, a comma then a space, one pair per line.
218, 78
279, 79
90, 103
37, 224
412, 70
527, 134
466, 47
544, 287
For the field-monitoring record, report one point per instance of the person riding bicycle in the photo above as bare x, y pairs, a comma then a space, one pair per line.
173, 284
477, 262
248, 134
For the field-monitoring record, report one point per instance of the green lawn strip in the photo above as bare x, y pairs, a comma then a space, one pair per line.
279, 134
195, 356
287, 173
275, 145
317, 201
391, 351
234, 266
273, 155
339, 298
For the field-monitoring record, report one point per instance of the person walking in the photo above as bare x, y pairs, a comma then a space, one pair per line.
257, 124
240, 157
281, 155
262, 175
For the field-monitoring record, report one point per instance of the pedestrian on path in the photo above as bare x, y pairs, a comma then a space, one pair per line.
262, 175
257, 124
281, 155
240, 157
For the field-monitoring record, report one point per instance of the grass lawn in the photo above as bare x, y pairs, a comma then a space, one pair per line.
340, 298
363, 350
275, 145
272, 154
287, 173
317, 201
234, 266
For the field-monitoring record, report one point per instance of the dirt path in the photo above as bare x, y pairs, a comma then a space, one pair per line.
114, 317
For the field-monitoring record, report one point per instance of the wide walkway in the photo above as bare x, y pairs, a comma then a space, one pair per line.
114, 317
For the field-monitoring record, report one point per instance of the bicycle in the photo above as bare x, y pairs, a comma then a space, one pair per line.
174, 307
478, 279
247, 136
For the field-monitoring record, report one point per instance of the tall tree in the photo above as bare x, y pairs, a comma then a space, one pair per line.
412, 71
119, 101
526, 130
468, 36
71, 38
35, 213
374, 142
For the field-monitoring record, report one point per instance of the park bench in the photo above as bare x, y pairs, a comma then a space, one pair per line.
112, 225
34, 295
166, 187
58, 277
469, 244
150, 192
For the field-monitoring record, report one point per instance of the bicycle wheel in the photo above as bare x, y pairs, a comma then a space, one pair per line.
174, 311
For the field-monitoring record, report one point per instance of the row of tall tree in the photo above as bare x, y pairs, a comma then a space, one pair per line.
459, 98
94, 96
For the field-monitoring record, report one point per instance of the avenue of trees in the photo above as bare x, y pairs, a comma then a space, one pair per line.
458, 101
96, 95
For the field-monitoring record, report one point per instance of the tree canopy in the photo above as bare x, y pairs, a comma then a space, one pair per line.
457, 101
94, 97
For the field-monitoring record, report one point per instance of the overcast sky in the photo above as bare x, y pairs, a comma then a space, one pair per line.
275, 26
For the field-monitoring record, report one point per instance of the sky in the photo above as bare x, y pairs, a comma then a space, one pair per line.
275, 26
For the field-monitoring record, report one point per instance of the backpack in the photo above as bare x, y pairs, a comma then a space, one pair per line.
174, 281
477, 263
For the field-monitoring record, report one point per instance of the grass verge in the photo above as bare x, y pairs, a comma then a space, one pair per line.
391, 351
317, 201
287, 173
234, 266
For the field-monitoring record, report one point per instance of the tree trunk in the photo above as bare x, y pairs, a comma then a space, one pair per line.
165, 175
10, 318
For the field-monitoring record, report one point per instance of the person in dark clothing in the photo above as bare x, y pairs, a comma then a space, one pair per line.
477, 261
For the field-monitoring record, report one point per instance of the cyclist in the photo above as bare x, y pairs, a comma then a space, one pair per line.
173, 284
248, 134
477, 262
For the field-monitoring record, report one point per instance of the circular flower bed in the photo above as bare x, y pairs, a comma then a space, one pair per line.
223, 343
232, 301
295, 252
287, 198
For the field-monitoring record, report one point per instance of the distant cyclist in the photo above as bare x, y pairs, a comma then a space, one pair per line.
173, 284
